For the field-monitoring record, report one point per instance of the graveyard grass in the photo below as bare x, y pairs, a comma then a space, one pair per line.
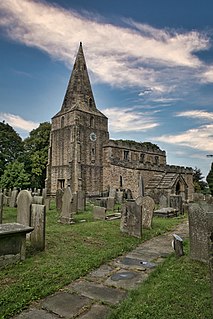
74, 250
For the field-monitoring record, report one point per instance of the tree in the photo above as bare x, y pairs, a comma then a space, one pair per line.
199, 184
36, 154
11, 145
209, 179
15, 176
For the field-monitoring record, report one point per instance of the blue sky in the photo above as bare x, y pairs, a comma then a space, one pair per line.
150, 64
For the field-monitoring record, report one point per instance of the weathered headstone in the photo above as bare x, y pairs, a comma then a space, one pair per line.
38, 200
198, 231
112, 192
176, 201
131, 219
110, 203
178, 245
1, 207
59, 195
99, 213
120, 197
13, 198
24, 201
163, 201
66, 211
38, 220
44, 193
147, 205
81, 201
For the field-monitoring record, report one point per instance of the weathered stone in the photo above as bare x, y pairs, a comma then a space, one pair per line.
176, 201
126, 279
120, 197
36, 314
112, 192
140, 186
99, 213
166, 212
198, 197
47, 203
110, 203
131, 219
178, 245
147, 205
81, 201
198, 231
163, 201
59, 196
38, 200
38, 221
13, 198
66, 211
96, 312
24, 201
65, 305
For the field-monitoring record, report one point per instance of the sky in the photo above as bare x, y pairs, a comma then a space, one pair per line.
150, 64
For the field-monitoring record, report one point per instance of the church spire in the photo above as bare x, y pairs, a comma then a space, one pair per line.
79, 92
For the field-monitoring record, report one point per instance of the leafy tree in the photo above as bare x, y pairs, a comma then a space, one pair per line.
11, 145
36, 154
15, 176
199, 184
209, 179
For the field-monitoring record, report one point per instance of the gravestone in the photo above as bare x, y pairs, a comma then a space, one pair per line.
1, 207
66, 210
147, 205
110, 203
81, 201
38, 221
112, 192
13, 198
120, 197
176, 201
38, 200
47, 203
24, 201
131, 219
99, 213
178, 245
163, 201
59, 195
44, 193
198, 231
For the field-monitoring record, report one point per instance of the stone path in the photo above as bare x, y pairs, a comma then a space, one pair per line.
93, 296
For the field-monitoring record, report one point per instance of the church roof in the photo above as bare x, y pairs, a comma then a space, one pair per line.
163, 180
79, 95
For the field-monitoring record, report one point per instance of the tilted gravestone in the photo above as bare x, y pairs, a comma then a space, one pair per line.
66, 210
147, 205
1, 207
163, 201
24, 201
58, 199
176, 201
81, 201
38, 221
198, 231
131, 219
13, 198
99, 213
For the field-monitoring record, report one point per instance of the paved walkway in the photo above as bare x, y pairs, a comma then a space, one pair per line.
93, 296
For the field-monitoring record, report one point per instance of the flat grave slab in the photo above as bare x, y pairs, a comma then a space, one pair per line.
97, 291
126, 279
65, 304
96, 312
36, 314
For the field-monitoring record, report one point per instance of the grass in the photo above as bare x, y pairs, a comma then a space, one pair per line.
71, 252
177, 289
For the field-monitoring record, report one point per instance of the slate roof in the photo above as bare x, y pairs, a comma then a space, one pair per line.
162, 180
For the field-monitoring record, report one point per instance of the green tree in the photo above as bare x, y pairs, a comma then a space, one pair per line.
209, 179
11, 145
36, 154
15, 175
199, 184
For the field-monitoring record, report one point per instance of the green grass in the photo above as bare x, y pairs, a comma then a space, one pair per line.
177, 289
71, 252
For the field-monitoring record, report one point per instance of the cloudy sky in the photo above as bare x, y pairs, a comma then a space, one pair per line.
150, 64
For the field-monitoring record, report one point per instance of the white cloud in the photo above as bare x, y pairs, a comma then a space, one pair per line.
200, 138
121, 56
18, 122
125, 120
202, 115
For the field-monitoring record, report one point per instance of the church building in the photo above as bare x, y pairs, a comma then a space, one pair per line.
82, 155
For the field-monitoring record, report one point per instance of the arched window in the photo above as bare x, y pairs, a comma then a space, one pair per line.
90, 102
92, 121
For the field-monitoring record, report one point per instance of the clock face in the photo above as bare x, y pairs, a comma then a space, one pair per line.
93, 137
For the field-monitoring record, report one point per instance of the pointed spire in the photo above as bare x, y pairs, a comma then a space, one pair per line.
79, 92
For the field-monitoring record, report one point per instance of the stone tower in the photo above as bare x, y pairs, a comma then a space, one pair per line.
78, 132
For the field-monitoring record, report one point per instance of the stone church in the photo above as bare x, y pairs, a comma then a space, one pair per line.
82, 155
